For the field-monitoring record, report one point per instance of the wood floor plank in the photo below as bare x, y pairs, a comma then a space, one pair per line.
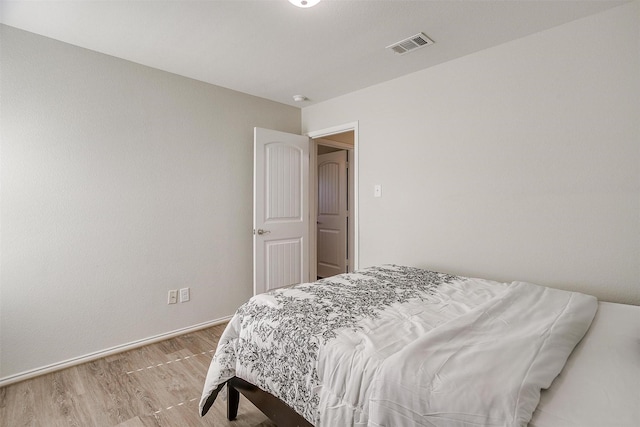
18, 404
133, 422
153, 386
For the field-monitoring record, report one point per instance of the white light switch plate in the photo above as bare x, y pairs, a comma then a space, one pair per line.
377, 190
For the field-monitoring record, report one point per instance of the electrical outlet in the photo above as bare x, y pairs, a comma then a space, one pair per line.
184, 294
173, 296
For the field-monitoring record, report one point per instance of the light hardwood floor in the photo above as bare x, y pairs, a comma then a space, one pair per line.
156, 385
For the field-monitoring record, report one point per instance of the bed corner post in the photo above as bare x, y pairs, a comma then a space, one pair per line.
233, 399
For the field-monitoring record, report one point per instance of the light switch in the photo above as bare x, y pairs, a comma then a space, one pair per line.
377, 190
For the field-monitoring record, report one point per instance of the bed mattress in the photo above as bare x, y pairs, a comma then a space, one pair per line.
400, 346
600, 383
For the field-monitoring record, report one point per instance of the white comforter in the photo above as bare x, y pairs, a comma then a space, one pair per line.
398, 346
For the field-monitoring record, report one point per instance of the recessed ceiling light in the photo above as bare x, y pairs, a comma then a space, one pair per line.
304, 3
300, 98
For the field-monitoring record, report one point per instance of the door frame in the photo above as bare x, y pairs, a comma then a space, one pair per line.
354, 250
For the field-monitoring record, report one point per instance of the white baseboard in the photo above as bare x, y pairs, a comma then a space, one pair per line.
107, 352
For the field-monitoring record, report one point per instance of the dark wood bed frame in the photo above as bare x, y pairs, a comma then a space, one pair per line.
277, 411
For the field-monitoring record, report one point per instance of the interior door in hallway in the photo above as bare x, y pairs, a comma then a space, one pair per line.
333, 215
281, 210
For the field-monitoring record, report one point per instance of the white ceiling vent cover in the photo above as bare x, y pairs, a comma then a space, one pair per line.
410, 44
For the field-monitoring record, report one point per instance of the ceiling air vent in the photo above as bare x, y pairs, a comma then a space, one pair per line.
410, 44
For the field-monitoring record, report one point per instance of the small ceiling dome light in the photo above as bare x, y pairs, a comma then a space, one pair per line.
304, 3
300, 98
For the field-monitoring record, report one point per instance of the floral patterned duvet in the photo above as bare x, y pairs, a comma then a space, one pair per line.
395, 345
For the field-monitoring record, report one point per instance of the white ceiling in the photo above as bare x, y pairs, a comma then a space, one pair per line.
274, 50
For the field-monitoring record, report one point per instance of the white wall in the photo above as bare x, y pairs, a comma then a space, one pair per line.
520, 162
119, 182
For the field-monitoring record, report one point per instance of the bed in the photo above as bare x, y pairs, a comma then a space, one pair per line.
402, 346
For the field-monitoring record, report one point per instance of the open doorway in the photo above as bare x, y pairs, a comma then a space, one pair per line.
333, 202
285, 210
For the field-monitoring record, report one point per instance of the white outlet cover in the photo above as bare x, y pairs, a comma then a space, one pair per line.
173, 297
184, 295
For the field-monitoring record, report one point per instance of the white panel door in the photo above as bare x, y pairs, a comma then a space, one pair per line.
332, 214
280, 210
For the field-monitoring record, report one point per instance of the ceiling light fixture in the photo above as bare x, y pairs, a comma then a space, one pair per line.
300, 98
304, 3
